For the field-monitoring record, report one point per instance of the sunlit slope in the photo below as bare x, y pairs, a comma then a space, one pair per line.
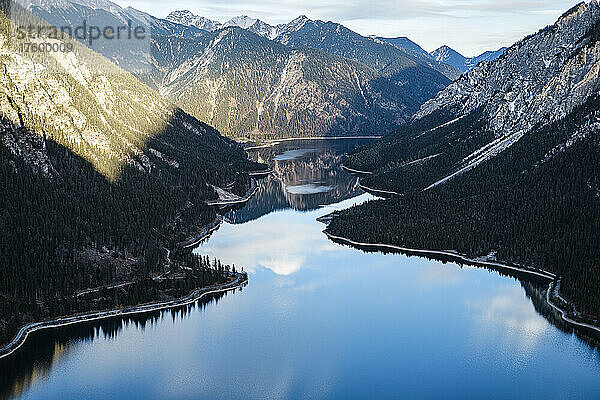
79, 99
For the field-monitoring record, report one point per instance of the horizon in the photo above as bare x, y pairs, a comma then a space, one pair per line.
467, 26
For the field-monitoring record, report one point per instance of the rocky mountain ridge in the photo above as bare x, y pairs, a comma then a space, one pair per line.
539, 79
253, 86
186, 17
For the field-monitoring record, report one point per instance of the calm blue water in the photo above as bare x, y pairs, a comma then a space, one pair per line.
320, 320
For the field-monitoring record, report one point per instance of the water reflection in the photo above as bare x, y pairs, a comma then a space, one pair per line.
320, 320
306, 175
500, 308
44, 350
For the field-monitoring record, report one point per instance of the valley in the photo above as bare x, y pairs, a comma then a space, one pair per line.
204, 203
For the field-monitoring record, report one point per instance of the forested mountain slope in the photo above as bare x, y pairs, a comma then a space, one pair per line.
505, 161
414, 50
99, 175
539, 80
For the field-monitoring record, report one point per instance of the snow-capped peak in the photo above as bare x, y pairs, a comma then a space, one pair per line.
296, 24
243, 21
188, 18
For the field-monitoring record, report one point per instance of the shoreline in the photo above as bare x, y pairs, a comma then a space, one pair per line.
492, 265
241, 200
366, 188
21, 337
216, 224
555, 285
273, 142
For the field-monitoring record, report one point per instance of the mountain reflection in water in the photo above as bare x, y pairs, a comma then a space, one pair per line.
306, 175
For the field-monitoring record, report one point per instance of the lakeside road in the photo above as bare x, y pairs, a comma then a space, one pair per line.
366, 188
216, 224
554, 288
375, 191
356, 171
197, 294
554, 280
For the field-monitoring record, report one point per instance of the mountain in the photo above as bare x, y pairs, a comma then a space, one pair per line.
406, 44
131, 55
61, 13
504, 161
254, 87
242, 21
100, 176
336, 39
403, 68
186, 17
447, 55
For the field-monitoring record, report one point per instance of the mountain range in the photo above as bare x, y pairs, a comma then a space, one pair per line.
361, 86
252, 80
327, 36
504, 161
256, 88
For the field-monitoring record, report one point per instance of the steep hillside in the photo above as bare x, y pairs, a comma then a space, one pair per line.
539, 80
503, 162
407, 45
100, 176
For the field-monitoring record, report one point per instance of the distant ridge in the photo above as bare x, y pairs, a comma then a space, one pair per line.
446, 54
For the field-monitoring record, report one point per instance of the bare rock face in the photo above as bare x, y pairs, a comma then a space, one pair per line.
100, 112
539, 79
27, 146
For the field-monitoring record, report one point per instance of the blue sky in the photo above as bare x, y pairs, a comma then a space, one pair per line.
469, 26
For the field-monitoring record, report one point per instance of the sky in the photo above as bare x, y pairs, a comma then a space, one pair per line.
469, 26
